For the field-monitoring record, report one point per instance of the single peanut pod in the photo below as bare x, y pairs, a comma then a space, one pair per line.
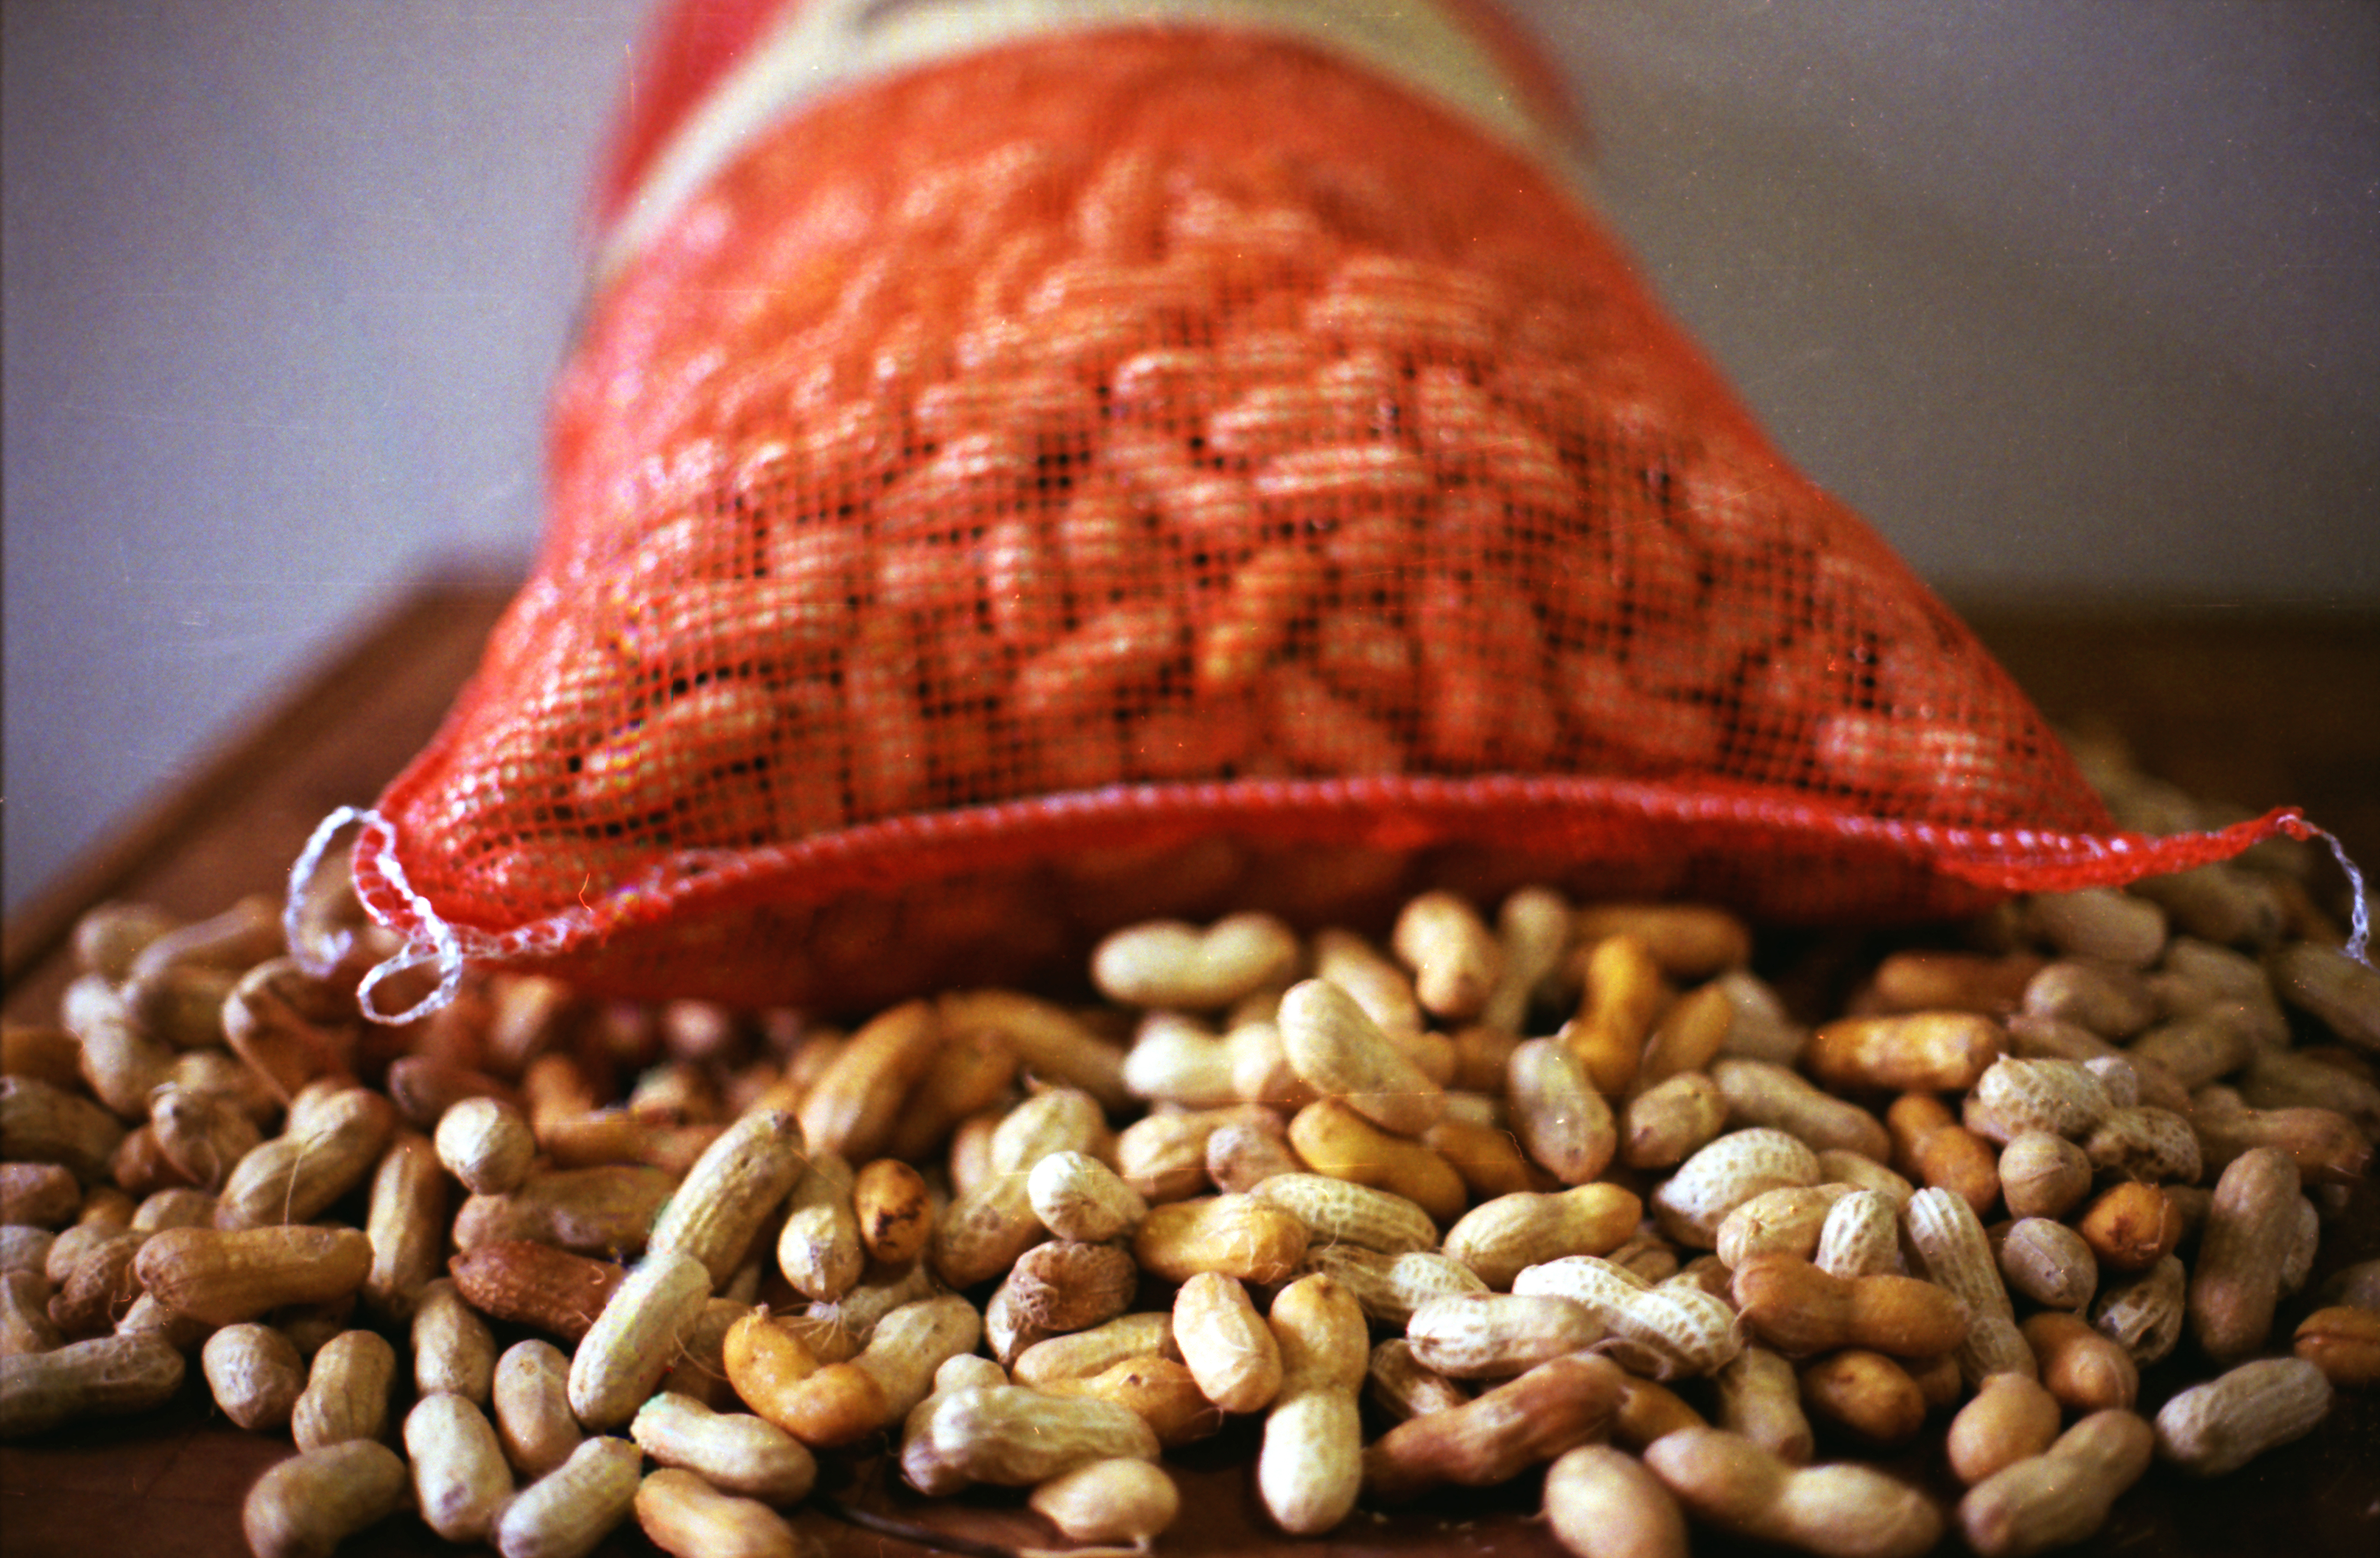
2048, 1262
297, 1176
1163, 1157
1390, 1288
1953, 1250
454, 1351
2343, 1343
2113, 1002
2011, 1419
1624, 995
2237, 1280
2062, 1097
535, 1285
1735, 1485
38, 1194
2130, 1227
307, 1505
1562, 1121
1113, 1502
1238, 1235
852, 1107
1669, 1122
531, 1398
346, 1392
2085, 1371
2043, 1175
201, 1135
1230, 1350
123, 1059
1499, 1238
1078, 1197
1797, 1309
742, 1177
1342, 1143
1309, 1468
226, 1277
819, 1248
461, 1481
1760, 1397
1455, 959
1908, 1051
684, 1514
1524, 1422
1865, 1393
895, 1211
103, 1377
1169, 964
486, 1143
636, 1338
1342, 1052
2213, 1428
255, 1375
1602, 1502
407, 1226
1069, 1285
1927, 979
568, 1512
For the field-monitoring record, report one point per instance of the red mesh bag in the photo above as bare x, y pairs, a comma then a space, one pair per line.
1147, 468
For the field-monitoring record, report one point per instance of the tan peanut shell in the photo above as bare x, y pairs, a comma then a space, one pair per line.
305, 1506
1525, 1422
1603, 1503
461, 1481
1342, 1052
2062, 1496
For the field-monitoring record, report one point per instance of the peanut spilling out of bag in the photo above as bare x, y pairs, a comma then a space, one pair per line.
1391, 1205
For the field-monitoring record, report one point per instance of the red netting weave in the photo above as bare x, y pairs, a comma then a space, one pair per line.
1162, 469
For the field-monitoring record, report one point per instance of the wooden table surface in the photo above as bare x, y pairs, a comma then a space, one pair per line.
2256, 709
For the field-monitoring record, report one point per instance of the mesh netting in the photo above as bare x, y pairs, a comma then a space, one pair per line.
1160, 469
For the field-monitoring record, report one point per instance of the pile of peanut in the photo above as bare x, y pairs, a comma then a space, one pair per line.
1569, 1190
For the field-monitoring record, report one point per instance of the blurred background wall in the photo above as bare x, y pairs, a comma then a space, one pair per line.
2076, 301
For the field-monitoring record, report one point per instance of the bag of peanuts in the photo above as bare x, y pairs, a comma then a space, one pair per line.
1031, 467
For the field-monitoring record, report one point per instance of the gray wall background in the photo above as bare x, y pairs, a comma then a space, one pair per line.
2075, 300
